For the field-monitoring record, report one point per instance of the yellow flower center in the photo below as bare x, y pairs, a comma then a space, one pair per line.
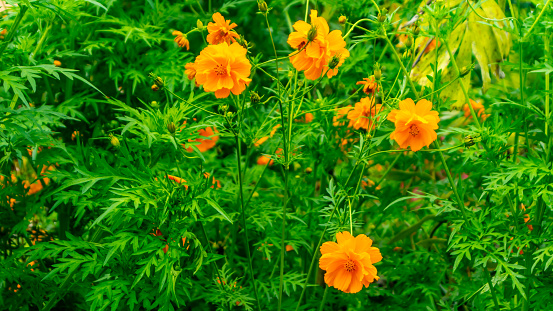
220, 70
350, 265
413, 130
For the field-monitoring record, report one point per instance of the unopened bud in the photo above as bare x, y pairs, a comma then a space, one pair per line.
157, 80
382, 16
416, 30
171, 128
409, 42
312, 33
223, 108
334, 61
308, 170
115, 141
155, 88
242, 42
471, 141
229, 115
262, 5
254, 97
155, 104
466, 70
342, 19
199, 25
377, 71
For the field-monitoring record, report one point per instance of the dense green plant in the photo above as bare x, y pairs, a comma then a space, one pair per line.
111, 200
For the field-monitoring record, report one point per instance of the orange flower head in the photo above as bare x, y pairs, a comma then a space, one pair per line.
340, 113
362, 116
223, 69
221, 30
349, 264
181, 39
369, 85
313, 56
207, 143
415, 124
306, 118
478, 108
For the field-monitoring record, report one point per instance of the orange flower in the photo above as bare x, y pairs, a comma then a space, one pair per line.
369, 85
341, 112
221, 30
181, 39
223, 69
316, 55
260, 141
205, 144
263, 160
526, 217
306, 118
363, 114
478, 108
349, 263
190, 70
415, 124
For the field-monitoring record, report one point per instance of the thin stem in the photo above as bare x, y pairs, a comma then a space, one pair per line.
355, 25
42, 39
202, 9
387, 171
536, 21
401, 64
13, 29
321, 306
492, 289
243, 212
452, 184
286, 169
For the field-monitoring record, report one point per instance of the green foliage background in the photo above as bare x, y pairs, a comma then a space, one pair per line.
91, 233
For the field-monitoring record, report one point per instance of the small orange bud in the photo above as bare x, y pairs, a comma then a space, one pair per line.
57, 63
342, 19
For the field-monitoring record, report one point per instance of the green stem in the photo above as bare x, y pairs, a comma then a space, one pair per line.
536, 21
322, 305
492, 289
42, 39
243, 212
452, 183
387, 171
13, 29
405, 72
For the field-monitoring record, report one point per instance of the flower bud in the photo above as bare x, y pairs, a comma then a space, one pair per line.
312, 33
200, 25
157, 80
254, 97
155, 104
223, 108
171, 128
409, 42
471, 141
262, 5
114, 141
155, 88
466, 70
416, 30
382, 16
57, 63
334, 61
342, 20
377, 71
308, 170
407, 54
